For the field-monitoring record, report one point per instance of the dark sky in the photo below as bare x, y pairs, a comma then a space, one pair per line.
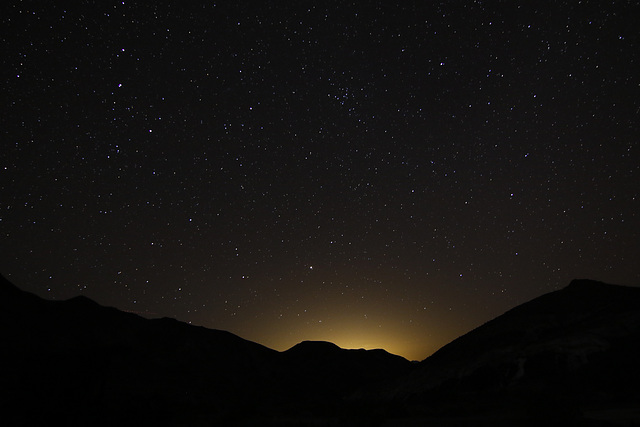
370, 174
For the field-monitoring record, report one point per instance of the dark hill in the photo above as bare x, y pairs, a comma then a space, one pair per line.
77, 362
319, 353
71, 360
332, 371
568, 357
579, 346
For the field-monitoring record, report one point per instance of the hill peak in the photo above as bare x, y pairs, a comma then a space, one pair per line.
315, 345
588, 284
595, 289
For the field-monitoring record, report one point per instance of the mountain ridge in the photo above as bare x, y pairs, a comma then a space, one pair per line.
76, 361
78, 352
561, 330
83, 302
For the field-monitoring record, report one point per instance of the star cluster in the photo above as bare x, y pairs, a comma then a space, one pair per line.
372, 174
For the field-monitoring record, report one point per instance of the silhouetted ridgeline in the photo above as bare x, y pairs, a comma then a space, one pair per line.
77, 362
569, 356
566, 354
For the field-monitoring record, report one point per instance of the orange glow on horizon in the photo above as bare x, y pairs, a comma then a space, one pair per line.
410, 325
397, 340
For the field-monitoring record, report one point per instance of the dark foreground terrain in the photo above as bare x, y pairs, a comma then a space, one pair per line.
569, 357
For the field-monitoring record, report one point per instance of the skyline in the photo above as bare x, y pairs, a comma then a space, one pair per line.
374, 175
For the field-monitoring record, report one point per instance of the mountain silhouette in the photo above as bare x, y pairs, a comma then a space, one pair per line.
76, 361
562, 352
328, 371
569, 357
71, 359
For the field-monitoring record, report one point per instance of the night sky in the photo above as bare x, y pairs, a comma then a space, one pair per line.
375, 175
